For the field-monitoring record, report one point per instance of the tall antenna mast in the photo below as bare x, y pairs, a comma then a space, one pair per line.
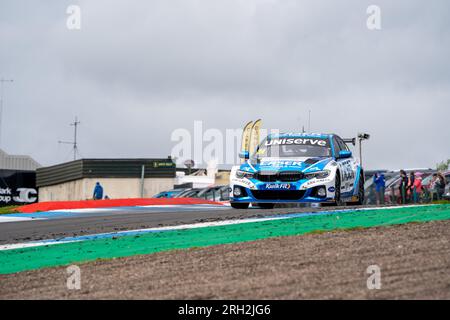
74, 142
2, 81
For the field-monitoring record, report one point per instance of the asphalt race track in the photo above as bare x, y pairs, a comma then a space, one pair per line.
102, 221
214, 251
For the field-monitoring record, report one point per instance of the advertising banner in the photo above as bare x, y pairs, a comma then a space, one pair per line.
17, 187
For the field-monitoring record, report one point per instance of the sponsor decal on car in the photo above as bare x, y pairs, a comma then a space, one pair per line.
282, 163
314, 182
244, 182
298, 141
277, 186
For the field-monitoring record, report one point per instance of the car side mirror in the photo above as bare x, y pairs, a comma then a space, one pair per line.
344, 154
244, 155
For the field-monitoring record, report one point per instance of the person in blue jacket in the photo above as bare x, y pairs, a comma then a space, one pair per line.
98, 192
380, 186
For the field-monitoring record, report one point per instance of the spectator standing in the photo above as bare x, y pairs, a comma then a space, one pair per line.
434, 187
98, 192
403, 186
417, 188
372, 198
410, 187
440, 185
380, 187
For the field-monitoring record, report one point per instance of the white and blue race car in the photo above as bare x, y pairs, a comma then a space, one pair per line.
297, 168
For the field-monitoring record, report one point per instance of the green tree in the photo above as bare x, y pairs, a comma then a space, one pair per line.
443, 165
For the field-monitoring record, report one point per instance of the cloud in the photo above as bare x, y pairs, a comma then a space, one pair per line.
137, 70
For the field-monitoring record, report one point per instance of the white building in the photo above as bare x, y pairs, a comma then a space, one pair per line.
120, 178
200, 178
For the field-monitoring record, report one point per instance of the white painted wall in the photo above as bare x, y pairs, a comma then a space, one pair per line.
114, 188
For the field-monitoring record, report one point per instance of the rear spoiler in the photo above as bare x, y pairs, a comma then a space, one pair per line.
351, 140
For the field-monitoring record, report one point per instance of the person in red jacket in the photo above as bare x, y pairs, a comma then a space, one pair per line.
417, 188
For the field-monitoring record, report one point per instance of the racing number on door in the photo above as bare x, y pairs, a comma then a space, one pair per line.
347, 171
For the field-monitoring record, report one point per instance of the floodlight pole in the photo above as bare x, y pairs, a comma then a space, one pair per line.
360, 152
361, 137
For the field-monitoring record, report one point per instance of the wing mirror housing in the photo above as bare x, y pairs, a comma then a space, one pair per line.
343, 154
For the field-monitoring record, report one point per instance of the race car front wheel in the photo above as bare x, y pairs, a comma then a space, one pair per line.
239, 205
337, 194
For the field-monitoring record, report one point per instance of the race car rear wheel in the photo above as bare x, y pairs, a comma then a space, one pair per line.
266, 205
239, 205
361, 194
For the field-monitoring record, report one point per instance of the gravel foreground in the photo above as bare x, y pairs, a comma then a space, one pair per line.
414, 260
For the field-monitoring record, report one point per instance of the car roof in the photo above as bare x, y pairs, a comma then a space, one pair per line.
300, 135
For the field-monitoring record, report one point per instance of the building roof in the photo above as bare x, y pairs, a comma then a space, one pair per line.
105, 168
17, 162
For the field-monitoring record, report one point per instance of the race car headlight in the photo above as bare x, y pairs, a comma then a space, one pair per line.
243, 174
237, 192
318, 175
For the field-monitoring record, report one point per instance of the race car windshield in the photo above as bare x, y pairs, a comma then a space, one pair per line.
293, 148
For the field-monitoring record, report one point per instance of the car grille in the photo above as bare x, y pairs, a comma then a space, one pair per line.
283, 176
278, 194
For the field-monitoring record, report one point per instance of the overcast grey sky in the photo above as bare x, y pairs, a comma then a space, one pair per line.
137, 70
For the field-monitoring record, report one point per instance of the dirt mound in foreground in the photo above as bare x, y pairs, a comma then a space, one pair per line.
414, 261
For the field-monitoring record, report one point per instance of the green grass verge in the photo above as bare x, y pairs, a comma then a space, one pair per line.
8, 209
441, 202
63, 254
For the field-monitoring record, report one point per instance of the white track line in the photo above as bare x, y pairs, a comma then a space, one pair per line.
183, 227
148, 230
5, 218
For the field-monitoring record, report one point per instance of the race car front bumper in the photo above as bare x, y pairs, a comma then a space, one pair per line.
316, 194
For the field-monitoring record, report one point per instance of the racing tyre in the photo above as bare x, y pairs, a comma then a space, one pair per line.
337, 195
239, 205
266, 205
361, 193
